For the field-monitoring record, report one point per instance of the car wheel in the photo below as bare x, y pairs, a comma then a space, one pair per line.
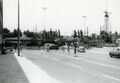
111, 55
119, 55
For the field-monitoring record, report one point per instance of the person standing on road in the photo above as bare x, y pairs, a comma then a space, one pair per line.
15, 47
68, 48
47, 48
63, 48
75, 46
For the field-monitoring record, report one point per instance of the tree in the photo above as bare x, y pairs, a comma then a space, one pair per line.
106, 37
78, 34
59, 33
81, 33
116, 34
93, 35
15, 33
5, 30
6, 33
75, 34
28, 33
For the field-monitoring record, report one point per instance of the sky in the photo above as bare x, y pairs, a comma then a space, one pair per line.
65, 15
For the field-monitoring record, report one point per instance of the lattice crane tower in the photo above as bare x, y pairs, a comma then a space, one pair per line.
106, 19
106, 25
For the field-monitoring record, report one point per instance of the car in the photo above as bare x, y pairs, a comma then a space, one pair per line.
54, 47
81, 49
115, 52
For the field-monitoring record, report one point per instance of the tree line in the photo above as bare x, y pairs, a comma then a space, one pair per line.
51, 35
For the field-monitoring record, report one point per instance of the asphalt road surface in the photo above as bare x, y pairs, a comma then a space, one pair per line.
93, 66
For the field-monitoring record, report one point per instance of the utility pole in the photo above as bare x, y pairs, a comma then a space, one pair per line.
84, 25
87, 32
84, 29
18, 28
36, 28
1, 27
44, 9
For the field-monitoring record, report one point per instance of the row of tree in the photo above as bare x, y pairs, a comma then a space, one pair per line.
77, 33
51, 35
106, 37
7, 33
43, 35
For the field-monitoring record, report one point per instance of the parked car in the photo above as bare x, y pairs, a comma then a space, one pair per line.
54, 47
115, 52
81, 49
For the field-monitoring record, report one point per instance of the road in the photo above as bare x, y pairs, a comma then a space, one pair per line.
94, 66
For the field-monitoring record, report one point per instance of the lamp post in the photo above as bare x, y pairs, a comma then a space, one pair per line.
84, 25
1, 27
44, 9
18, 28
84, 29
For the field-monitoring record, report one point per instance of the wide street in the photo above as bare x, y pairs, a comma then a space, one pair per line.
93, 66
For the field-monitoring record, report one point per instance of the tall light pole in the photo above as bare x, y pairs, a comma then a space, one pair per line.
84, 28
84, 25
1, 26
44, 9
18, 28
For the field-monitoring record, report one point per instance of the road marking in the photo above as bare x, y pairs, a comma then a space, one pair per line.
56, 59
68, 63
106, 65
93, 62
69, 56
75, 65
110, 77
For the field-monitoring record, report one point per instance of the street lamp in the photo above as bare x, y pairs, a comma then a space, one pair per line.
1, 27
84, 27
18, 28
44, 9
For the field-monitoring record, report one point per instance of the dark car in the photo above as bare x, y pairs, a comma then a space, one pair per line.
115, 52
81, 49
54, 47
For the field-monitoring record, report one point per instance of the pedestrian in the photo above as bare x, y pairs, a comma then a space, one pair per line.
15, 48
68, 48
47, 48
63, 47
75, 46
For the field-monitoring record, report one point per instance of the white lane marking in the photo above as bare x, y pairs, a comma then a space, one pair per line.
93, 62
56, 59
68, 63
34, 73
110, 77
74, 65
69, 56
106, 65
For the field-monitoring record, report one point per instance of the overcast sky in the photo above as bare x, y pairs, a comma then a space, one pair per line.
65, 15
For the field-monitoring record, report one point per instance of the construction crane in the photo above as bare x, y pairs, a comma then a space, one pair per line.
106, 19
106, 24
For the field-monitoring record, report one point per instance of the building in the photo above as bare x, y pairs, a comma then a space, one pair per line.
97, 43
14, 41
